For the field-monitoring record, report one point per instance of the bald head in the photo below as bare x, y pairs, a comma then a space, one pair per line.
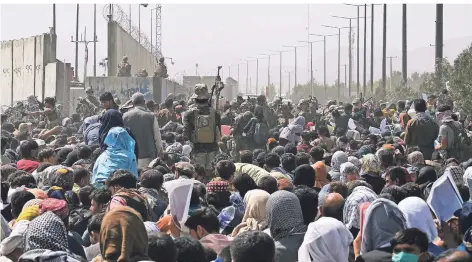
333, 206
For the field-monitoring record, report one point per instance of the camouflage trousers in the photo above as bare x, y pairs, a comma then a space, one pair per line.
205, 159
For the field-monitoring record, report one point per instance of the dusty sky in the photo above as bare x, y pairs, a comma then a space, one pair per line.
211, 35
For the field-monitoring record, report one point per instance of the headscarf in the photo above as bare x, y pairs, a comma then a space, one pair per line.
321, 172
344, 166
28, 213
294, 130
326, 239
355, 161
416, 159
123, 236
58, 207
38, 193
284, 215
255, 215
370, 164
418, 215
383, 220
118, 155
337, 159
304, 175
32, 202
217, 186
359, 195
186, 150
111, 118
426, 174
456, 173
46, 232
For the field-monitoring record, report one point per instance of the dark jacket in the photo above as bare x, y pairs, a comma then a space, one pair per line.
422, 133
143, 124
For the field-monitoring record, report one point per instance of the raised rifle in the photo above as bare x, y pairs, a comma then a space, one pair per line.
218, 86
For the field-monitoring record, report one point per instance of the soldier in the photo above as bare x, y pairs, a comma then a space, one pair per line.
53, 115
91, 98
161, 69
202, 128
124, 68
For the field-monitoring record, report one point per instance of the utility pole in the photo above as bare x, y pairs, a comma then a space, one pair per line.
280, 75
404, 46
324, 60
339, 55
384, 51
311, 63
289, 83
95, 42
439, 44
295, 49
365, 49
54, 18
268, 69
86, 42
391, 69
345, 76
139, 21
76, 69
358, 56
247, 77
130, 25
257, 72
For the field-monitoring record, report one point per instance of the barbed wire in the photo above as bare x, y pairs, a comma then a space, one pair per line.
123, 20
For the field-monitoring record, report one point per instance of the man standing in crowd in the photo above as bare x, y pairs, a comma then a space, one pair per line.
143, 125
107, 101
422, 130
202, 127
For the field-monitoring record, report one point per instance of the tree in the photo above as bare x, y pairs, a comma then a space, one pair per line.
461, 80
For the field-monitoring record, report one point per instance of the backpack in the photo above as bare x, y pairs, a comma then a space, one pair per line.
205, 130
461, 139
261, 133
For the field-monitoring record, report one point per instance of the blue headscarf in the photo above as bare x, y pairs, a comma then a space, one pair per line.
111, 118
118, 155
87, 122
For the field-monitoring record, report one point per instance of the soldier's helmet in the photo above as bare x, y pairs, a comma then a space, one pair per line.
161, 59
200, 92
125, 59
89, 91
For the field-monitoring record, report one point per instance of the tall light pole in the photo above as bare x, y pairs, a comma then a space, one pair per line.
358, 56
391, 69
257, 73
350, 48
384, 51
295, 49
280, 71
311, 63
439, 44
324, 60
268, 71
95, 42
139, 21
339, 55
404, 47
76, 69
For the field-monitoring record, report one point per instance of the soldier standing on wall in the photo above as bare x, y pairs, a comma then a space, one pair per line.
124, 68
161, 69
202, 128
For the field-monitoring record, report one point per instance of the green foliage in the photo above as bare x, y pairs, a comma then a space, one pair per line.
461, 80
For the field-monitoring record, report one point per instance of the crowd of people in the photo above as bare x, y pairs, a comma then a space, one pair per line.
359, 181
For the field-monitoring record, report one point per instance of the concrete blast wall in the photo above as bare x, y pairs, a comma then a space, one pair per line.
120, 44
22, 68
153, 88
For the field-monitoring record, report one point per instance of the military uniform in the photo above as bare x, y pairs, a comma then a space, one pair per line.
202, 128
124, 68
